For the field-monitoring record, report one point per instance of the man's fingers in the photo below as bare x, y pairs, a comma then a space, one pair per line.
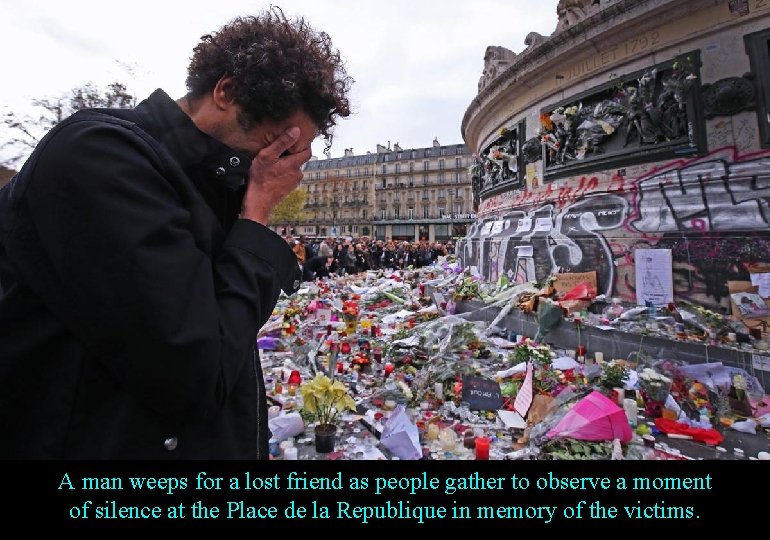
284, 141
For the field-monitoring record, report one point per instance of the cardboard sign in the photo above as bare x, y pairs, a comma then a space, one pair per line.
566, 282
481, 394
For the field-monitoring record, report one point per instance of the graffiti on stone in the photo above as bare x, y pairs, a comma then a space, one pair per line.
713, 212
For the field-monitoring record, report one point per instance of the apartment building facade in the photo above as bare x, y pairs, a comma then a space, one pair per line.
401, 194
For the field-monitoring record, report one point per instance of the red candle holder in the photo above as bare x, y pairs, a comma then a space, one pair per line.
482, 448
389, 368
340, 367
345, 349
295, 377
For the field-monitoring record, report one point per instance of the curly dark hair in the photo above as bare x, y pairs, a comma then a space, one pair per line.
278, 66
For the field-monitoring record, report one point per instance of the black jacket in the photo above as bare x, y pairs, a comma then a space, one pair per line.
132, 294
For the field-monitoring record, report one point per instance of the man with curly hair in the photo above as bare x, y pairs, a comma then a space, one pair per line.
135, 264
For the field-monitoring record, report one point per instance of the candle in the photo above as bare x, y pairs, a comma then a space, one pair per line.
599, 357
438, 389
340, 367
482, 448
345, 348
290, 453
447, 438
390, 404
389, 368
432, 433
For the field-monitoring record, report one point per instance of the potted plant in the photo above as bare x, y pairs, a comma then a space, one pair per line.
324, 400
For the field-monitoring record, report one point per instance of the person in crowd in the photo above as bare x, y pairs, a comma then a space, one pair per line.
299, 250
135, 260
326, 248
317, 267
389, 257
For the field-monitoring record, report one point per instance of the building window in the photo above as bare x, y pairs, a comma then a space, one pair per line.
410, 213
398, 168
383, 182
425, 211
457, 178
384, 169
363, 213
441, 178
425, 195
383, 213
425, 180
441, 211
365, 184
459, 208
441, 194
426, 165
396, 211
411, 181
411, 166
441, 164
458, 163
349, 173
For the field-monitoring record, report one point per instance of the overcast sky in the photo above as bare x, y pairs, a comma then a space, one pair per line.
416, 63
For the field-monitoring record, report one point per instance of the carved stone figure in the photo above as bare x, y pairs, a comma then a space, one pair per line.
532, 150
496, 60
534, 39
571, 12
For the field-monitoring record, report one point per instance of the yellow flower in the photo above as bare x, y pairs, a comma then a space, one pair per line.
326, 399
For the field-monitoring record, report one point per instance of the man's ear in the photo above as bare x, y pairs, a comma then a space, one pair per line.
223, 92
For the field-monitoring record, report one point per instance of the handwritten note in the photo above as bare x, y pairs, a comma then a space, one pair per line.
481, 394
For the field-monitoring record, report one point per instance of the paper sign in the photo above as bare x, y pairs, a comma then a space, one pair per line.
323, 315
762, 281
497, 227
761, 363
507, 224
481, 394
524, 398
542, 224
524, 225
486, 228
512, 419
734, 287
525, 251
566, 282
654, 277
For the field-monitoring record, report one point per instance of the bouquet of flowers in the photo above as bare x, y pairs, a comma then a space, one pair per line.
655, 386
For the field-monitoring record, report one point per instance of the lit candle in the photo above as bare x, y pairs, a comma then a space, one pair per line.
389, 368
482, 448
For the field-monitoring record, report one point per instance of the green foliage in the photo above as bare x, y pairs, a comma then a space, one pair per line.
290, 209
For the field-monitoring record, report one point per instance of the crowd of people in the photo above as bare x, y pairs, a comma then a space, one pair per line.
341, 256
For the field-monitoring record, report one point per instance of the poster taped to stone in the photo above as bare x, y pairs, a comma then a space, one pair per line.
654, 277
524, 225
